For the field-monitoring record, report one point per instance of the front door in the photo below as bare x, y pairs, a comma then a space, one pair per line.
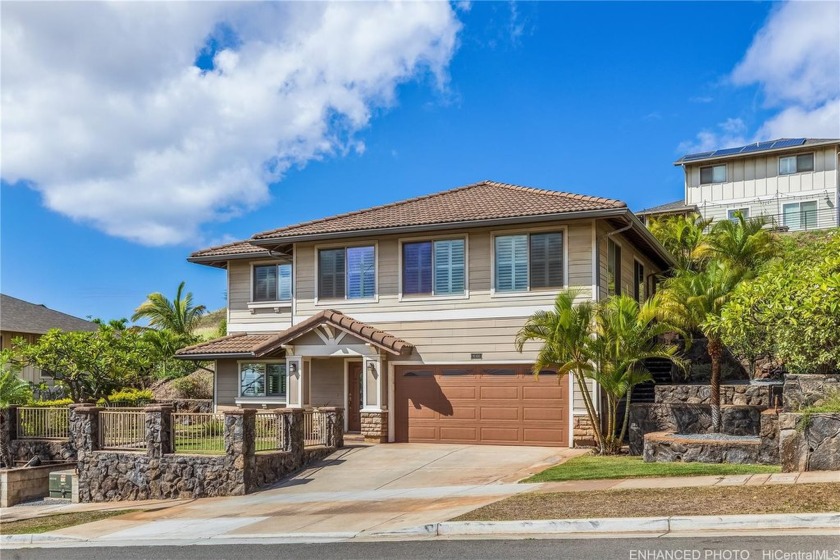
354, 397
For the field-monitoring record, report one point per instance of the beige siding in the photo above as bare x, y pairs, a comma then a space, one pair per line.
754, 182
227, 382
29, 373
327, 382
240, 317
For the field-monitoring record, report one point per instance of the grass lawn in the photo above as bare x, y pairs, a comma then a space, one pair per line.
55, 522
704, 500
592, 467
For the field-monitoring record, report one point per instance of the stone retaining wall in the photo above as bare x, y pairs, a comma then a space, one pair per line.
741, 394
806, 390
157, 473
47, 450
666, 447
809, 442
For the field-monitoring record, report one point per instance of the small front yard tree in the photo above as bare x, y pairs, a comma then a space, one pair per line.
13, 390
90, 365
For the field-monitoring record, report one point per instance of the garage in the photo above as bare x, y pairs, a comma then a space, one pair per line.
490, 404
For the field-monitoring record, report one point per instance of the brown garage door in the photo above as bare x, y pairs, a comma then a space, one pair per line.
492, 404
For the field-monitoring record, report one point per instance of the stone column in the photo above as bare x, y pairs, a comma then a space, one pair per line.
84, 437
159, 430
239, 449
8, 430
375, 426
293, 432
335, 426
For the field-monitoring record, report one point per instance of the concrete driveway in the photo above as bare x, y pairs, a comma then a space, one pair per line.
355, 491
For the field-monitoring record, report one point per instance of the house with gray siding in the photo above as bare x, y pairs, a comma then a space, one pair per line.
406, 314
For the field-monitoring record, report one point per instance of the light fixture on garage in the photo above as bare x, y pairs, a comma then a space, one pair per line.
292, 367
372, 368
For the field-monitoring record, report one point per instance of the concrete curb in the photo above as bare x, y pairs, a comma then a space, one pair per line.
37, 538
623, 525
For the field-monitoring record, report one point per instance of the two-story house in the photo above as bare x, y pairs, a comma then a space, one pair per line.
792, 181
406, 314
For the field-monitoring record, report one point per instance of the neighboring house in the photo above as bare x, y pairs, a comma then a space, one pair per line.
406, 314
792, 181
21, 319
676, 208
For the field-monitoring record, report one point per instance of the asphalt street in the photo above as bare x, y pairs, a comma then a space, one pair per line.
777, 547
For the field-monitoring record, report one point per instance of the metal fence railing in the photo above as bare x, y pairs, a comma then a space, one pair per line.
314, 428
122, 429
268, 432
34, 422
198, 432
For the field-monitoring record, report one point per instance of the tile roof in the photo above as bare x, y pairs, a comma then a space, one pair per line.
240, 344
262, 344
487, 200
21, 316
229, 249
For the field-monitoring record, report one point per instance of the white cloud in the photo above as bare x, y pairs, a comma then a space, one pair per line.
794, 59
727, 134
106, 115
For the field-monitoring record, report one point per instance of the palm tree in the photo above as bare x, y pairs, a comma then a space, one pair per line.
684, 237
13, 390
626, 334
694, 301
565, 335
743, 244
178, 316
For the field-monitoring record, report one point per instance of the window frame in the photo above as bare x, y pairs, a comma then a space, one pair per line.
639, 287
713, 167
401, 296
494, 293
795, 158
264, 398
798, 204
326, 302
730, 213
252, 300
618, 290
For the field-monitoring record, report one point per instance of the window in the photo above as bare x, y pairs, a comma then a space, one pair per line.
613, 268
732, 214
434, 267
638, 281
712, 174
796, 164
800, 215
526, 262
262, 379
347, 273
273, 282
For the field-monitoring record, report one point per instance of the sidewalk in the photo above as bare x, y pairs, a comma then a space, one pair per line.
298, 514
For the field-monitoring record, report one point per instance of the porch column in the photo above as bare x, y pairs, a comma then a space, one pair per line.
374, 414
294, 382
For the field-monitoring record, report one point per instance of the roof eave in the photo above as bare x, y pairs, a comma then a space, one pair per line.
799, 148
215, 356
583, 214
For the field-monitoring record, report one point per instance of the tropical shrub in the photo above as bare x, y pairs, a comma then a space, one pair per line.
52, 403
199, 385
127, 397
791, 312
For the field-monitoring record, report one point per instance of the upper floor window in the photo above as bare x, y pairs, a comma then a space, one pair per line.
347, 273
732, 214
613, 268
800, 215
796, 164
262, 379
272, 282
532, 261
434, 267
712, 174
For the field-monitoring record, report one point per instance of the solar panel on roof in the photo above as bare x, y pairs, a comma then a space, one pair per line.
727, 151
701, 155
787, 142
757, 147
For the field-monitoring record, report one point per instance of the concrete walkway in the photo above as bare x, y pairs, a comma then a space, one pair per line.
365, 492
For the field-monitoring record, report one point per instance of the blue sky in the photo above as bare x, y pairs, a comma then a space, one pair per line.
142, 157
